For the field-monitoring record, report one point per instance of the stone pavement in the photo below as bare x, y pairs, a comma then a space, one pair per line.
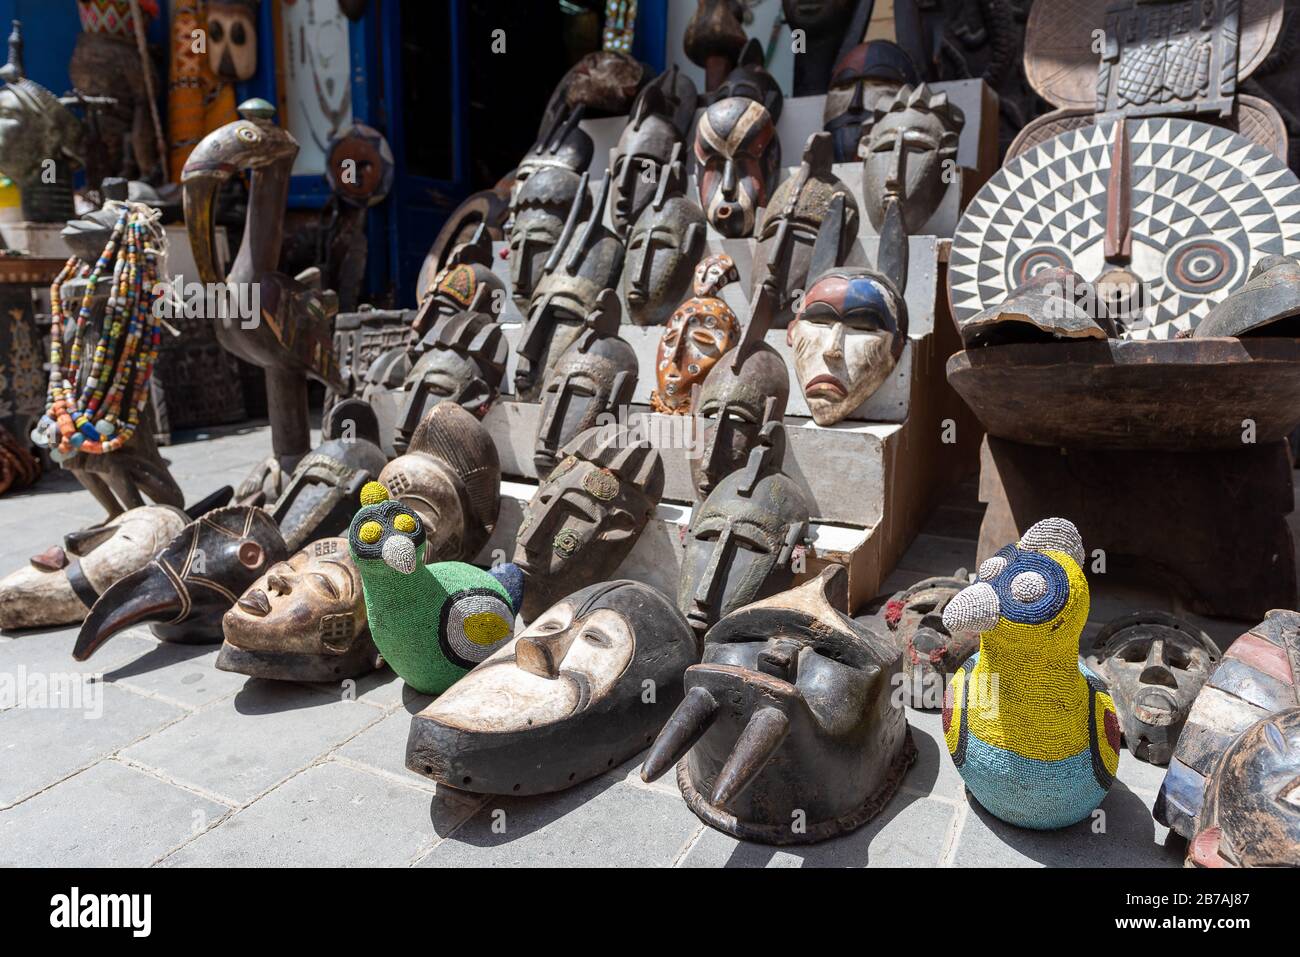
176, 763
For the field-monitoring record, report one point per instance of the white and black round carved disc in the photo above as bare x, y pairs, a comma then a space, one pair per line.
1206, 206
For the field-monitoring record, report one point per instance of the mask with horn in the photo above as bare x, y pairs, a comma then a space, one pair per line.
743, 536
191, 583
648, 145
587, 514
663, 250
737, 163
700, 331
537, 226
593, 377
304, 620
869, 72
564, 701
59, 586
451, 478
563, 145
790, 710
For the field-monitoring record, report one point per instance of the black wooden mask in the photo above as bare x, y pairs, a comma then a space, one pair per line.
648, 145
538, 224
563, 145
663, 250
864, 75
751, 81
465, 362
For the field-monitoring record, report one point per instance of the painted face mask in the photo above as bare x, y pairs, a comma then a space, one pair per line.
232, 39
563, 145
648, 145
790, 710
866, 74
587, 514
907, 153
595, 376
737, 161
451, 478
1251, 816
465, 364
749, 80
562, 702
59, 586
323, 492
931, 653
699, 332
304, 620
743, 537
538, 223
847, 339
1155, 665
799, 239
662, 252
191, 583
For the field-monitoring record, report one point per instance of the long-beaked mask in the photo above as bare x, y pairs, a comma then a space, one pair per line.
699, 332
451, 478
465, 363
593, 377
648, 145
743, 536
191, 583
869, 72
809, 227
586, 262
749, 80
562, 702
788, 733
847, 338
1155, 664
663, 250
304, 620
563, 146
537, 226
59, 586
741, 394
324, 491
587, 514
737, 162
908, 153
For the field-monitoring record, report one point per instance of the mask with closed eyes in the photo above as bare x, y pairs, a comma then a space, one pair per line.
537, 225
737, 163
465, 362
788, 732
863, 76
847, 338
586, 515
455, 289
697, 335
662, 252
304, 620
648, 145
563, 145
562, 702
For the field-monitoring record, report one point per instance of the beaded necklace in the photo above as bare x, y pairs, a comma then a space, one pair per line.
117, 380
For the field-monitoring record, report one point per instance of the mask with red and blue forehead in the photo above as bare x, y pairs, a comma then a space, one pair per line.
860, 298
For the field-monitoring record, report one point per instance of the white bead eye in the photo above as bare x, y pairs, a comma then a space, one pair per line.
1028, 587
991, 568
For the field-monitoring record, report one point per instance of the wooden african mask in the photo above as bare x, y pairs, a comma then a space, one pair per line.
563, 146
586, 515
603, 83
791, 709
187, 587
866, 74
931, 653
465, 363
593, 377
679, 97
847, 338
700, 330
59, 586
649, 144
793, 226
1154, 665
662, 252
824, 26
232, 39
451, 477
304, 620
743, 536
454, 290
714, 38
1268, 304
564, 701
908, 155
538, 224
737, 162
750, 80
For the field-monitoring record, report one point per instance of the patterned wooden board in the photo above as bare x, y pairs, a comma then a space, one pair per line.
1206, 206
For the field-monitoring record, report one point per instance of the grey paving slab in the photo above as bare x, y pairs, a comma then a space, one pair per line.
603, 823
50, 652
41, 745
242, 745
910, 832
933, 772
184, 674
382, 746
381, 689
331, 815
109, 815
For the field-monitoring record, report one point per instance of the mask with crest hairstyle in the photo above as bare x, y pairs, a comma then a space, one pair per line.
587, 514
864, 75
809, 227
451, 477
537, 225
662, 251
563, 702
737, 162
304, 620
678, 95
749, 80
743, 536
648, 145
562, 146
187, 587
907, 153
699, 332
58, 586
586, 261
742, 393
790, 710
466, 282
592, 378
847, 339
465, 363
